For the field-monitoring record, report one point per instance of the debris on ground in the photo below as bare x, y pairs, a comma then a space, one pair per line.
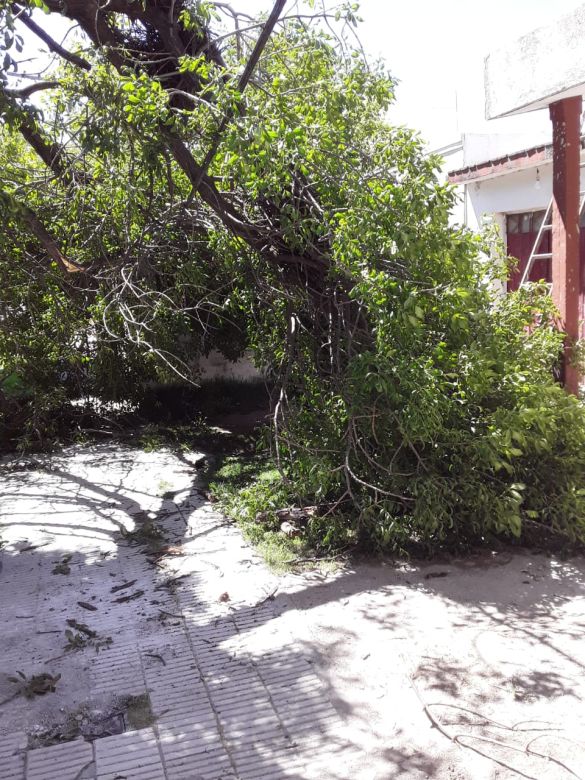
170, 584
296, 515
172, 550
137, 710
288, 529
63, 566
81, 640
147, 534
124, 585
328, 657
157, 656
93, 722
31, 547
88, 606
81, 627
123, 599
36, 685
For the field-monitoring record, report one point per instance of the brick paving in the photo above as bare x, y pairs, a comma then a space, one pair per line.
195, 673
231, 695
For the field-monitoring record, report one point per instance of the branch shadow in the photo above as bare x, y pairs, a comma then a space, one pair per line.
274, 712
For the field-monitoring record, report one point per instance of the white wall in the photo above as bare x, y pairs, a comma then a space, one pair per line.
217, 366
490, 200
513, 192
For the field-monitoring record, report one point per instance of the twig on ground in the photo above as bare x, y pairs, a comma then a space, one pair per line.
157, 656
123, 599
170, 614
269, 597
116, 588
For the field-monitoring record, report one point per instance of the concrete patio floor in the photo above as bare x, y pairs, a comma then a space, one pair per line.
200, 664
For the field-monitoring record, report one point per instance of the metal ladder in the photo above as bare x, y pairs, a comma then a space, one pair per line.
545, 225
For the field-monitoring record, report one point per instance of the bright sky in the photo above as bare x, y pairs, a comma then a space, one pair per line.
436, 49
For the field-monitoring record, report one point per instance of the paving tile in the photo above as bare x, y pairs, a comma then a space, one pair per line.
118, 670
234, 698
210, 764
185, 714
260, 760
134, 755
144, 773
66, 762
191, 727
12, 750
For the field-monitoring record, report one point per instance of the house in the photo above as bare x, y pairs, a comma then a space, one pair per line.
542, 70
511, 188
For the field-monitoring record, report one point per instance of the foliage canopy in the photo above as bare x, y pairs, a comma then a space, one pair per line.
186, 176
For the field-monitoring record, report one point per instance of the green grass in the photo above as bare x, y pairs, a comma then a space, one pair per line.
184, 437
246, 487
250, 490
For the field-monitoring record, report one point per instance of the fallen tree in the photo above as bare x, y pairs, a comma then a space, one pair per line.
195, 173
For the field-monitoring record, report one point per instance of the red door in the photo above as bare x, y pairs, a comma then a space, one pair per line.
522, 231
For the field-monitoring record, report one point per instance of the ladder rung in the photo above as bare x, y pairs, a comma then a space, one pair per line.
546, 227
543, 256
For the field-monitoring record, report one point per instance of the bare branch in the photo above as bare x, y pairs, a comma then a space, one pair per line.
26, 92
52, 154
52, 44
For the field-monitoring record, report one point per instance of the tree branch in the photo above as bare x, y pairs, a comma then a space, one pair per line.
243, 81
42, 235
261, 44
52, 44
93, 21
26, 92
52, 154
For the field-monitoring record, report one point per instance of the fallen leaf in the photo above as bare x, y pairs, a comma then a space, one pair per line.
85, 629
131, 597
173, 551
31, 547
85, 605
63, 566
116, 588
158, 657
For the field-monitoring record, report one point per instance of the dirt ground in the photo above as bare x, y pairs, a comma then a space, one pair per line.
194, 661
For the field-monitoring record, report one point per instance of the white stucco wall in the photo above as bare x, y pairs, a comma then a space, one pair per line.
489, 201
502, 194
217, 366
514, 192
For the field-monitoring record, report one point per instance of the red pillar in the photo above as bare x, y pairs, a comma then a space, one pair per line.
566, 121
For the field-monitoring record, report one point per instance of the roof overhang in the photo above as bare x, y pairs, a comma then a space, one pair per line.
541, 68
529, 158
511, 163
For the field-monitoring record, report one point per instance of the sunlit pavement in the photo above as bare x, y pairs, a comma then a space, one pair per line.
195, 662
